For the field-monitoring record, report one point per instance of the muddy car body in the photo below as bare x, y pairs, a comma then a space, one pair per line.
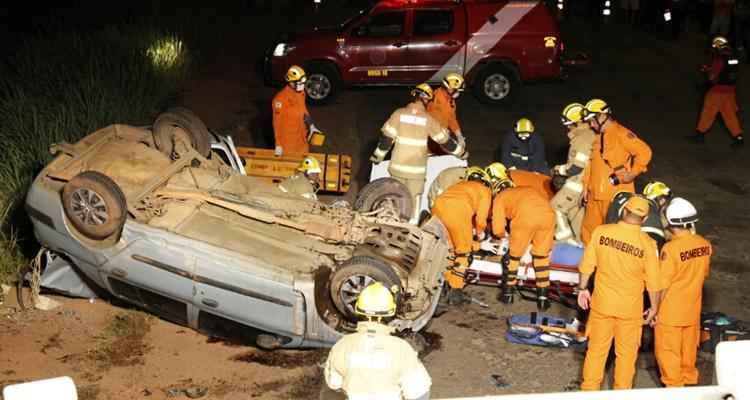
190, 239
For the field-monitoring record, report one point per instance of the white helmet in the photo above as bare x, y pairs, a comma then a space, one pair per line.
681, 212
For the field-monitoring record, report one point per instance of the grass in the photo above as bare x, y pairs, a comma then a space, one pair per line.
60, 83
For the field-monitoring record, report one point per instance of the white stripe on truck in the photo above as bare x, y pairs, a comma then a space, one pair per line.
486, 37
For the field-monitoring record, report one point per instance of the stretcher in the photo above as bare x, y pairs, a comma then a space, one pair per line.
336, 175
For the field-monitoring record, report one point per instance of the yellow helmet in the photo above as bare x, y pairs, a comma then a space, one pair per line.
295, 73
656, 189
477, 173
524, 125
309, 165
454, 81
501, 184
496, 171
423, 90
572, 113
594, 107
375, 301
719, 42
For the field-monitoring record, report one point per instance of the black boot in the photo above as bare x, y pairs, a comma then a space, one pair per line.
507, 294
542, 302
738, 142
697, 138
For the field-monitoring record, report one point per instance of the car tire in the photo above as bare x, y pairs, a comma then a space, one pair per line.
372, 195
95, 205
180, 121
323, 83
353, 275
496, 84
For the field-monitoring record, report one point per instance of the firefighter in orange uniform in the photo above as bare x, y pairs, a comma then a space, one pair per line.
540, 182
684, 267
721, 98
532, 221
617, 158
443, 107
463, 208
625, 258
292, 124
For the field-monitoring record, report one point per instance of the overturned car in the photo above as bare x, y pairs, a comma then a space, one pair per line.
148, 215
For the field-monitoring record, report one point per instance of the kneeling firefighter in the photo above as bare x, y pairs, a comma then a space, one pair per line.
305, 182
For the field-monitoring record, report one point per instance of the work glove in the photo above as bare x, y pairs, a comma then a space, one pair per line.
278, 151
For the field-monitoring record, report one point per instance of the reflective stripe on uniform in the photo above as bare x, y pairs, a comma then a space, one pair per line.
389, 130
732, 62
651, 229
441, 137
413, 120
380, 152
409, 169
484, 39
582, 157
283, 189
574, 186
369, 360
521, 156
411, 141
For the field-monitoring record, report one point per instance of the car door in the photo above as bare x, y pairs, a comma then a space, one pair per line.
376, 49
436, 43
154, 273
248, 294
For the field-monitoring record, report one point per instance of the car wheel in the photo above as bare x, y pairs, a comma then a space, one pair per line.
496, 84
384, 192
323, 83
95, 205
356, 274
179, 126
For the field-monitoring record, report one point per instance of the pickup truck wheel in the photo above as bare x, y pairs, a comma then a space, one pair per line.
95, 205
356, 274
177, 127
323, 83
382, 191
496, 84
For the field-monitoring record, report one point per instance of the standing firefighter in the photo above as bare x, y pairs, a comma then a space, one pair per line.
532, 221
624, 258
567, 201
407, 131
617, 158
292, 124
305, 182
372, 364
523, 149
463, 208
684, 267
443, 107
721, 97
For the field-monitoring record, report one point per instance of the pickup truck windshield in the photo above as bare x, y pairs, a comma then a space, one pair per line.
348, 22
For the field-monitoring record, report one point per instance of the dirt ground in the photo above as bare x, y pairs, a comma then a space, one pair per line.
113, 352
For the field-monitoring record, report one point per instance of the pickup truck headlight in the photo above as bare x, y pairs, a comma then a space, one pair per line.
282, 49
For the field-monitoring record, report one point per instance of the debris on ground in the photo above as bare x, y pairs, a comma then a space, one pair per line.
45, 303
499, 381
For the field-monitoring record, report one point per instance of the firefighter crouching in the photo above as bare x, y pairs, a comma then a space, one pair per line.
304, 183
567, 200
464, 208
372, 364
532, 221
624, 259
617, 158
292, 125
658, 195
407, 131
684, 267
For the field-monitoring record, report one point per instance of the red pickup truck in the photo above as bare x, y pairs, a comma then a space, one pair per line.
496, 44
